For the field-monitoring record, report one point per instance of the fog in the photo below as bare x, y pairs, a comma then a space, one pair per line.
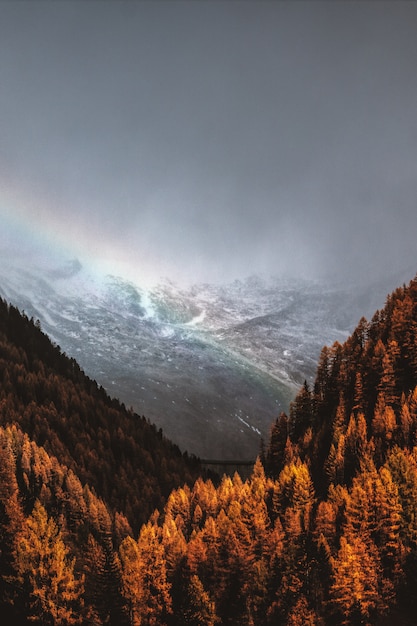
208, 140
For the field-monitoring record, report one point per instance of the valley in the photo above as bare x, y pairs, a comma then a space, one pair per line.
211, 365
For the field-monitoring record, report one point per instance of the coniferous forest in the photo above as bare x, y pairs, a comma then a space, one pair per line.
104, 521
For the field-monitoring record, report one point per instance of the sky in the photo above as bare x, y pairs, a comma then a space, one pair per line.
212, 140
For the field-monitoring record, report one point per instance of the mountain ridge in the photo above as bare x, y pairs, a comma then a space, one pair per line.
322, 531
200, 344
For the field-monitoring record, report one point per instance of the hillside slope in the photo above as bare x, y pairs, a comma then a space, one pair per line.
118, 453
323, 532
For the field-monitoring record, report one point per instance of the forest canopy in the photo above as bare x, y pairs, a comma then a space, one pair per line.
103, 521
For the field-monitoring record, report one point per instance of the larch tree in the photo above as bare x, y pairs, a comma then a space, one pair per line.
198, 608
11, 516
403, 469
275, 454
131, 578
301, 413
354, 591
46, 572
153, 602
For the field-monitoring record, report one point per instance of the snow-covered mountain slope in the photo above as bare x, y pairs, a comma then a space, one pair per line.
211, 365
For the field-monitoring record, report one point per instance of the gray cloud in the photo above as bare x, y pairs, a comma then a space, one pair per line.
217, 139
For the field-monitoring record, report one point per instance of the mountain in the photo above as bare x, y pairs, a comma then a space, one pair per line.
120, 455
209, 364
323, 532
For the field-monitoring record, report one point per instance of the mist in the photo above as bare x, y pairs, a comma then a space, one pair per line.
209, 141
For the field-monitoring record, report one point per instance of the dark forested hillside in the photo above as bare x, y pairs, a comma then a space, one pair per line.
355, 434
57, 540
324, 532
363, 401
117, 453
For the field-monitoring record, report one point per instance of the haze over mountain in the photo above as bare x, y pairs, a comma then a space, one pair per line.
209, 140
212, 365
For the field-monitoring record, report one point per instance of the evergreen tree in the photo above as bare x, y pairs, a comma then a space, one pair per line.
301, 413
131, 579
153, 601
11, 521
354, 591
46, 573
358, 395
276, 449
198, 609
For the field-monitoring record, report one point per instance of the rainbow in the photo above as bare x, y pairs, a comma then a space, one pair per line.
33, 224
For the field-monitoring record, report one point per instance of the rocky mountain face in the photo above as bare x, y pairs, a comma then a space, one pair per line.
212, 365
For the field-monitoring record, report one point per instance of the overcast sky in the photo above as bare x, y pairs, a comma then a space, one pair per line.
210, 140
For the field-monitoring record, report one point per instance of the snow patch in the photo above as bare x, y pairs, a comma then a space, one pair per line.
166, 332
197, 319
